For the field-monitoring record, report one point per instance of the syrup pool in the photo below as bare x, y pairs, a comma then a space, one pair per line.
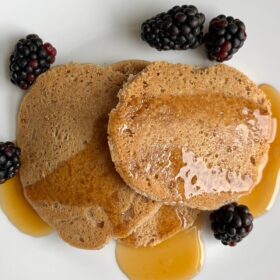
19, 212
180, 257
261, 199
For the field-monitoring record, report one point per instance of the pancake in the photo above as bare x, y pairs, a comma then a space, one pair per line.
193, 136
168, 221
67, 173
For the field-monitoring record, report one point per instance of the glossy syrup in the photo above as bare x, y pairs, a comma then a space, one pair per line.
19, 212
262, 197
181, 257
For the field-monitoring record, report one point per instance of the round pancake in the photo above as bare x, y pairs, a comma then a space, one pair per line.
67, 173
193, 136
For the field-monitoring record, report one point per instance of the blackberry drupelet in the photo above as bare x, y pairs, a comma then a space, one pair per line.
9, 161
180, 28
225, 37
29, 59
231, 223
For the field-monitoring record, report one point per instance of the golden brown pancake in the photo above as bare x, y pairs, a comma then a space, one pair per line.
168, 221
193, 136
67, 173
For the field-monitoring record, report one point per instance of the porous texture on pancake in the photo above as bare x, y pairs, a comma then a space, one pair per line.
168, 221
197, 136
67, 173
129, 67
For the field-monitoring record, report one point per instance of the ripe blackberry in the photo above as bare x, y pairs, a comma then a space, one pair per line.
9, 161
29, 59
231, 223
225, 37
180, 28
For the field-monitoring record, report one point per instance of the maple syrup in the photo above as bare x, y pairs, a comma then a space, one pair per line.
180, 257
261, 199
19, 212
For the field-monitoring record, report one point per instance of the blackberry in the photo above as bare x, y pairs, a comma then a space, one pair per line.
225, 37
30, 58
180, 28
231, 223
9, 161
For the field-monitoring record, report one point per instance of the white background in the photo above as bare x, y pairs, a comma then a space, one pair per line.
105, 32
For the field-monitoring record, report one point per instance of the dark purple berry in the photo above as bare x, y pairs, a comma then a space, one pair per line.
227, 32
231, 223
30, 58
180, 28
9, 161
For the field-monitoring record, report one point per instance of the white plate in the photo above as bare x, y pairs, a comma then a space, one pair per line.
105, 32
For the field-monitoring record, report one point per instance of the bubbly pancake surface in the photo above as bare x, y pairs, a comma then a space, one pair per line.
67, 173
188, 135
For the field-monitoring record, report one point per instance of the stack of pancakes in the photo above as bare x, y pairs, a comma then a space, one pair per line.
133, 151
